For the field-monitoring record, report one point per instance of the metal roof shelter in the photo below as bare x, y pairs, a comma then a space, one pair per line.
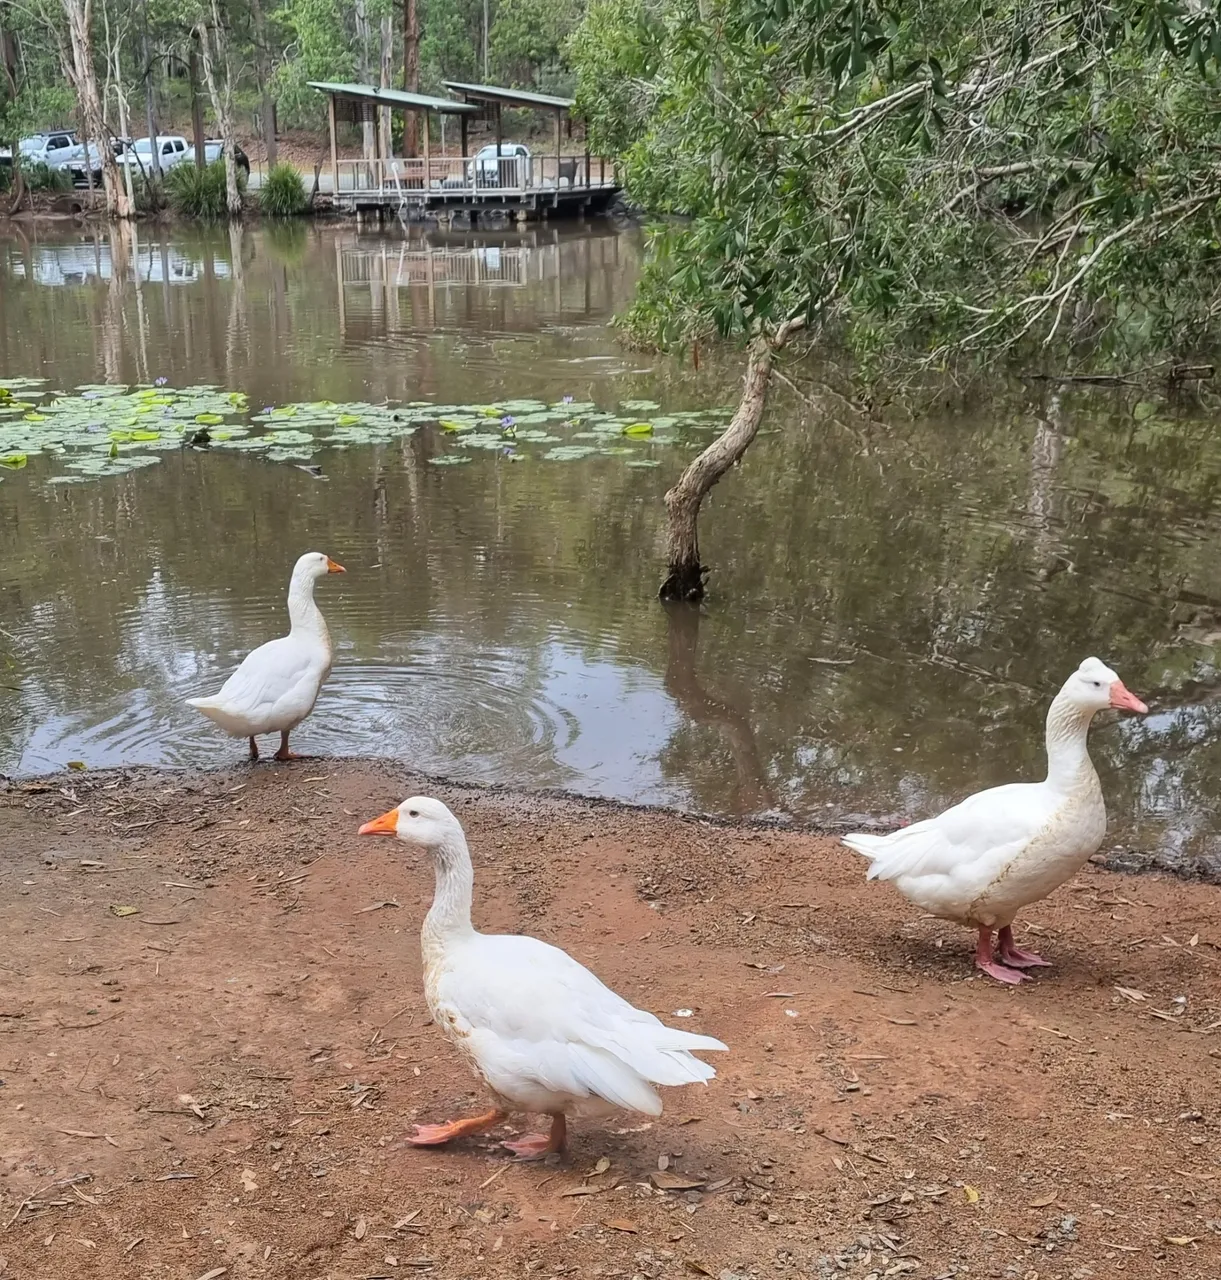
510, 97
498, 97
356, 103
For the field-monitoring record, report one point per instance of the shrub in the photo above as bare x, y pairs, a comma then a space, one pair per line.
199, 193
283, 194
41, 177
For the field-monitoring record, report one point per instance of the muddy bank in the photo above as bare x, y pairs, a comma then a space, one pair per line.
212, 1034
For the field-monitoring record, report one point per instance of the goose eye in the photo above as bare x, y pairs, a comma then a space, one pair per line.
413, 813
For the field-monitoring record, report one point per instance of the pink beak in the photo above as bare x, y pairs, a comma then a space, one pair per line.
1126, 701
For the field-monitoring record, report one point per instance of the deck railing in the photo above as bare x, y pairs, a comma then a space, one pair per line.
471, 175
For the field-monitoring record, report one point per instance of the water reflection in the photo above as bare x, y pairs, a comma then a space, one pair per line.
893, 604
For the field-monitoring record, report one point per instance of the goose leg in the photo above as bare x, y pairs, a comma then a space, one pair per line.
436, 1135
284, 753
1013, 955
254, 748
536, 1145
985, 961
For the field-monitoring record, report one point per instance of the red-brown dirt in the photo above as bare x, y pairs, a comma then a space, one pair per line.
214, 1083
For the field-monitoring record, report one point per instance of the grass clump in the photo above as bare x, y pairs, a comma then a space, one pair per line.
283, 194
198, 193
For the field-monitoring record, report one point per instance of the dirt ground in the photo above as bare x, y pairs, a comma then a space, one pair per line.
212, 1036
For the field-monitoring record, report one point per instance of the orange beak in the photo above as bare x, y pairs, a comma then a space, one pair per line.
1126, 701
332, 567
386, 825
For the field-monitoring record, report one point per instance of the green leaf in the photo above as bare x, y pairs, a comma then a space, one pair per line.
638, 429
13, 461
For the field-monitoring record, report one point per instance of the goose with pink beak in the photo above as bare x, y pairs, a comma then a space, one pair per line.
979, 863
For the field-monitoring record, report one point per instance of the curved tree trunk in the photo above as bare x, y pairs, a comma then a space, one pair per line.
84, 80
214, 46
17, 190
685, 580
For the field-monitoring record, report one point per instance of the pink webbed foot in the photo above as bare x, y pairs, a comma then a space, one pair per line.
532, 1147
1014, 956
535, 1146
437, 1135
985, 962
1010, 977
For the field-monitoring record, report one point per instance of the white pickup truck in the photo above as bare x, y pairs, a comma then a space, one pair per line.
172, 150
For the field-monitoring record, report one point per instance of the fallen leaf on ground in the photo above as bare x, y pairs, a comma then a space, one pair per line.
1041, 1202
971, 1194
248, 1180
1180, 1240
123, 911
602, 1165
361, 1227
674, 1181
621, 1224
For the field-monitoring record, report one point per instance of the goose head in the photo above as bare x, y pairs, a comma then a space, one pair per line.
313, 565
420, 820
1094, 687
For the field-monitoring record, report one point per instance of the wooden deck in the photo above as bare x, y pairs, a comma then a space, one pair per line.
444, 186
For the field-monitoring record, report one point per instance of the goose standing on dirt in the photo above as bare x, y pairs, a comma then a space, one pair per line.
538, 1028
277, 685
982, 861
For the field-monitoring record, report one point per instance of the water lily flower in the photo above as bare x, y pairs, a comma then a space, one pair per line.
160, 382
508, 421
269, 408
89, 395
566, 400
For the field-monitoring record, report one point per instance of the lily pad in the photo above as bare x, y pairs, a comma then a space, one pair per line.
449, 460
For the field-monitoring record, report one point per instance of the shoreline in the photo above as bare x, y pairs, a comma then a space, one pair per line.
212, 1032
1114, 859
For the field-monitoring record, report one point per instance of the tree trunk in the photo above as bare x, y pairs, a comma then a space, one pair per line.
267, 104
685, 580
150, 104
411, 73
197, 126
364, 73
387, 56
11, 88
214, 45
84, 80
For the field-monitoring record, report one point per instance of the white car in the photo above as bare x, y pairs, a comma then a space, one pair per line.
50, 148
511, 169
172, 150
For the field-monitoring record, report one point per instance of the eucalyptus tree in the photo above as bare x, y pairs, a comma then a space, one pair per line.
966, 180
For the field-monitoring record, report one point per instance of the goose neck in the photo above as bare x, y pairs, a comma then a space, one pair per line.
303, 613
1068, 759
449, 917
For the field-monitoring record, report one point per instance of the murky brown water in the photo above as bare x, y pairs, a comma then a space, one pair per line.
892, 606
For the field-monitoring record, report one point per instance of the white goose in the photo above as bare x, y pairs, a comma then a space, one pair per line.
277, 685
982, 861
538, 1028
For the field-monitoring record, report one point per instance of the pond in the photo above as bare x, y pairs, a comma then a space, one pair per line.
892, 604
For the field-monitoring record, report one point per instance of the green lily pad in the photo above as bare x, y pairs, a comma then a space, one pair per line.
638, 429
13, 461
449, 460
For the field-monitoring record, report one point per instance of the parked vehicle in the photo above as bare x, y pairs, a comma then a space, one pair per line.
172, 150
214, 150
44, 148
77, 167
510, 169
